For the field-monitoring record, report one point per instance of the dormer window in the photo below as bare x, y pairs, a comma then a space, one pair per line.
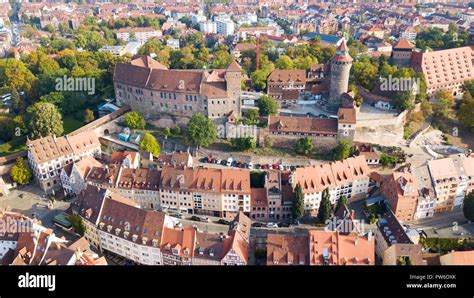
134, 237
117, 231
175, 251
144, 240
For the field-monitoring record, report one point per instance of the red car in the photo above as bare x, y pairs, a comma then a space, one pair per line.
275, 166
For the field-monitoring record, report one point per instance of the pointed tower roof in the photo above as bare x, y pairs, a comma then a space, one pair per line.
234, 66
403, 43
342, 53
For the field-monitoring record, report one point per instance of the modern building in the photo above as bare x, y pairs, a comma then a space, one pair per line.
140, 34
225, 26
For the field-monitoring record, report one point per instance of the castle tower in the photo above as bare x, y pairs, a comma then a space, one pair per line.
233, 78
341, 65
401, 54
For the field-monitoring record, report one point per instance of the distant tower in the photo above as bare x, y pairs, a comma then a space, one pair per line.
401, 53
341, 65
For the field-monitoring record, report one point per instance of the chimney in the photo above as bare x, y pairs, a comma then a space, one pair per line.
356, 240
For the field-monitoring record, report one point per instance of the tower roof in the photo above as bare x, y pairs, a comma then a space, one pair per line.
342, 46
342, 53
403, 43
234, 66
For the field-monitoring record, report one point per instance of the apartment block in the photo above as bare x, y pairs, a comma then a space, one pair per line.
348, 178
452, 179
140, 34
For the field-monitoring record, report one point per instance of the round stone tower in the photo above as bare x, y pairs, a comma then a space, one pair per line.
341, 65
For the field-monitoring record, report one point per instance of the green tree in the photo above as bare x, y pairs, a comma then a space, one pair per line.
134, 120
304, 146
252, 117
77, 223
341, 202
259, 79
324, 212
20, 171
88, 116
243, 144
55, 98
465, 114
284, 62
44, 120
149, 144
267, 106
443, 102
201, 131
297, 209
16, 101
343, 150
468, 206
404, 100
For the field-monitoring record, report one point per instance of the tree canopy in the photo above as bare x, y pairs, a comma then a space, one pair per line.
201, 131
44, 120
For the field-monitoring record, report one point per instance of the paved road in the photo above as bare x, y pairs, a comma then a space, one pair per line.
29, 201
443, 220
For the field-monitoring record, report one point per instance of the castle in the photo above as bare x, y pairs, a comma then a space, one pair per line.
173, 96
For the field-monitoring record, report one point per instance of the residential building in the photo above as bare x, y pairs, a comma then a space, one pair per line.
128, 159
349, 178
208, 27
225, 26
401, 193
332, 248
73, 175
389, 233
458, 258
133, 233
49, 155
404, 254
287, 249
452, 178
140, 34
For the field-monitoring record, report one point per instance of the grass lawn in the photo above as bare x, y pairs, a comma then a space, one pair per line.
13, 146
70, 124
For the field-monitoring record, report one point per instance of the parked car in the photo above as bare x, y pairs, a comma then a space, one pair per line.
275, 166
258, 166
178, 224
177, 215
214, 161
234, 163
272, 225
204, 160
280, 167
219, 161
244, 165
284, 224
257, 225
287, 168
296, 222
224, 162
250, 165
195, 218
204, 219
264, 166
223, 222
229, 161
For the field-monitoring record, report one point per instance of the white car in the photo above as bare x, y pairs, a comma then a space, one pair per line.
229, 161
280, 167
178, 224
272, 225
219, 161
204, 219
250, 166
